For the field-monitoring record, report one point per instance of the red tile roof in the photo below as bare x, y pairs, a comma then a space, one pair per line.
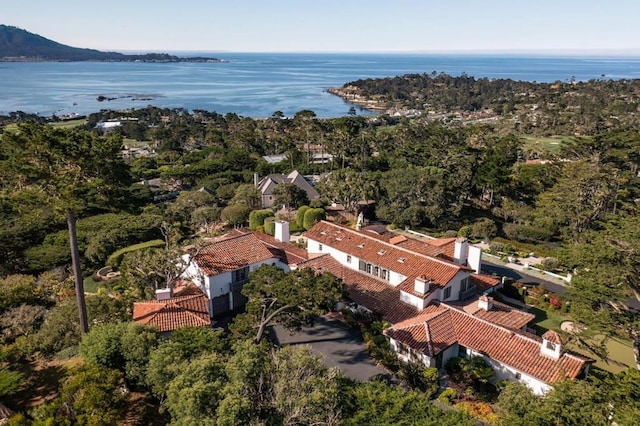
231, 253
189, 308
484, 282
501, 314
376, 295
393, 257
433, 333
287, 252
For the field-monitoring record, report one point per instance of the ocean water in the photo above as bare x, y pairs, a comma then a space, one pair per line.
258, 84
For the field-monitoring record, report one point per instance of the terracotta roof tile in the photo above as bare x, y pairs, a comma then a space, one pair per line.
189, 309
231, 253
372, 293
393, 257
484, 282
501, 314
552, 336
287, 252
517, 350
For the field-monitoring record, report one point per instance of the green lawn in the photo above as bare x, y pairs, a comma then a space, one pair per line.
69, 123
546, 320
620, 353
548, 145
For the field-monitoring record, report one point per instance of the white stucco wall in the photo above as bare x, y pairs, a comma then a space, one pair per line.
505, 372
412, 300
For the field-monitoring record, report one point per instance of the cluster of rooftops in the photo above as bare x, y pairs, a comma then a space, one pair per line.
431, 291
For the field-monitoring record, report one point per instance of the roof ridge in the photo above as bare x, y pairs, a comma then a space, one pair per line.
397, 247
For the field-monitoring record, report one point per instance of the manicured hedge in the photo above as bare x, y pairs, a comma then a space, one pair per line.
313, 216
257, 217
270, 225
300, 215
116, 256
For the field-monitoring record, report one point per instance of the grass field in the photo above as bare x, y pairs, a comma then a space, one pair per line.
546, 145
58, 124
620, 353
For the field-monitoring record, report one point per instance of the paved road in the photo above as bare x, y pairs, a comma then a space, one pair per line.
339, 345
556, 286
498, 268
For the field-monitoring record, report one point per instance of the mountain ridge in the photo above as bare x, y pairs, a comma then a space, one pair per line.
19, 45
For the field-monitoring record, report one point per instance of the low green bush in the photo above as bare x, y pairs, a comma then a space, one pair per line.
447, 396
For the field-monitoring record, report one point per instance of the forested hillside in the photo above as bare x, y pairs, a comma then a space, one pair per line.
559, 108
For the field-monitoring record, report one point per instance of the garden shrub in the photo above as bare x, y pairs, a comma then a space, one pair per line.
270, 226
447, 396
257, 217
313, 216
300, 215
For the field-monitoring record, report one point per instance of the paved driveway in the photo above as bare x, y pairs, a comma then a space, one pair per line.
339, 345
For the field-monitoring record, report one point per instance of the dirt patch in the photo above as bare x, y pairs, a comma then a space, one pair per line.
42, 382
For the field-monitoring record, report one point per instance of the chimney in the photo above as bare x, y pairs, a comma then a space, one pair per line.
282, 231
421, 284
485, 302
460, 251
551, 344
475, 258
163, 294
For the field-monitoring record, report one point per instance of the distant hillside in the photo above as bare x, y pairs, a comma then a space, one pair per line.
17, 44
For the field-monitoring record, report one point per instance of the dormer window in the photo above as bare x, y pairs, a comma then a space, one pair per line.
339, 238
361, 245
323, 232
551, 346
402, 259
381, 252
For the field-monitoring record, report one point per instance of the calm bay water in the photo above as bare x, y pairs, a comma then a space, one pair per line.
257, 84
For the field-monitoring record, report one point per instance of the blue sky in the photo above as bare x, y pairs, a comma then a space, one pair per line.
334, 25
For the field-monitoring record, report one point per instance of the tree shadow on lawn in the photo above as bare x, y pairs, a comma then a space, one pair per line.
42, 380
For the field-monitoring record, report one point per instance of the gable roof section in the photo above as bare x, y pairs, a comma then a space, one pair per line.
190, 310
286, 252
265, 186
508, 347
393, 257
231, 253
501, 314
372, 293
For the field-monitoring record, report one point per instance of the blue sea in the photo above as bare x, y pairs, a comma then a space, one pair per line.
258, 84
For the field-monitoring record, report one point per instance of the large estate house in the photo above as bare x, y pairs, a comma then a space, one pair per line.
432, 292
437, 299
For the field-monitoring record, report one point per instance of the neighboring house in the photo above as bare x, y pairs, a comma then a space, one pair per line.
274, 159
424, 288
183, 306
222, 268
266, 185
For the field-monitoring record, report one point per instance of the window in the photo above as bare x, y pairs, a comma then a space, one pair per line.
551, 346
464, 284
240, 274
462, 351
348, 258
362, 265
319, 247
447, 293
368, 268
384, 274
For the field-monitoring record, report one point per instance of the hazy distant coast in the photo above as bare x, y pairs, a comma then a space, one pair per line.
18, 45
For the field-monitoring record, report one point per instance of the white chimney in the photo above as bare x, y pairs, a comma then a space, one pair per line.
282, 231
551, 344
485, 302
460, 251
163, 294
475, 258
421, 284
